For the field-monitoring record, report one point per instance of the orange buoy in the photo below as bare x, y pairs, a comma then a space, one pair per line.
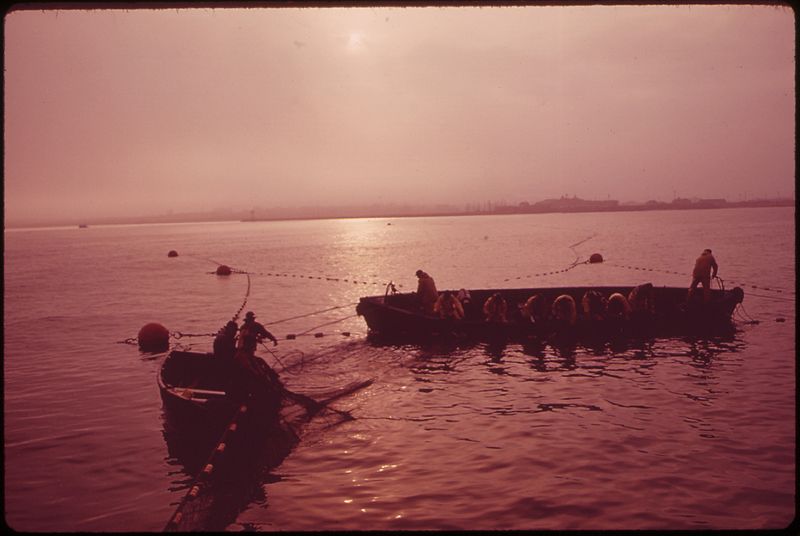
153, 337
172, 253
595, 258
223, 270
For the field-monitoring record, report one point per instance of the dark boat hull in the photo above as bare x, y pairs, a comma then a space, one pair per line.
397, 315
202, 393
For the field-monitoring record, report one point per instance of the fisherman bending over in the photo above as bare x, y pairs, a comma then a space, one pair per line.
448, 306
534, 309
705, 267
495, 308
617, 307
594, 305
225, 342
642, 300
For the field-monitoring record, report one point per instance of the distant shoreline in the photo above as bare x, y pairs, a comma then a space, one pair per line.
564, 206
502, 211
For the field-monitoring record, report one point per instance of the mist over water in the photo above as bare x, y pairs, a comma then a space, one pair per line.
664, 433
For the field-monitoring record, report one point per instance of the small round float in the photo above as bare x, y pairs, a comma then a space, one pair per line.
223, 269
595, 258
172, 253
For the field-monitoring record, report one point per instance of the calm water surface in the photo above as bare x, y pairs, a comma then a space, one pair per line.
642, 434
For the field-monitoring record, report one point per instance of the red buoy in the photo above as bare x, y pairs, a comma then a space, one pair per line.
595, 258
223, 270
172, 253
153, 337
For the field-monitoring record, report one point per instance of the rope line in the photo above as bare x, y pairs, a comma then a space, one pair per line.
779, 298
246, 295
688, 275
326, 324
326, 278
567, 269
312, 313
284, 274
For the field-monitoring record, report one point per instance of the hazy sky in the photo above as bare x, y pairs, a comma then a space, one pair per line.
124, 112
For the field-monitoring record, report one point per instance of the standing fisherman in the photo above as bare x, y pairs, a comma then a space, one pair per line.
252, 332
256, 376
426, 292
705, 267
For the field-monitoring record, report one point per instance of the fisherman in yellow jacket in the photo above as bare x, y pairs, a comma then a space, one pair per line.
495, 308
448, 306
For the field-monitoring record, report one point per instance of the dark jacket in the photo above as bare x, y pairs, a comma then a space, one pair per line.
250, 333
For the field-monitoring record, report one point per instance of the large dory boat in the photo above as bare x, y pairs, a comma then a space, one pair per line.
399, 314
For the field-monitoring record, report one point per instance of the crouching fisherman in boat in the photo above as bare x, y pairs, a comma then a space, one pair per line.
225, 341
564, 310
448, 306
642, 301
534, 309
495, 308
594, 305
465, 298
617, 307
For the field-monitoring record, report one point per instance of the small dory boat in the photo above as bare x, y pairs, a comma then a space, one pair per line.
399, 314
200, 394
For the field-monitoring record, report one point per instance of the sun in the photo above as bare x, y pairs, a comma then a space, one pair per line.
355, 41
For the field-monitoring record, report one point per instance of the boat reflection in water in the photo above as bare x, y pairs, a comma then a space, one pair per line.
238, 475
203, 429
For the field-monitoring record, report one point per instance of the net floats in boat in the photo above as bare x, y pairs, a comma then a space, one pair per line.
153, 337
172, 253
223, 269
595, 258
